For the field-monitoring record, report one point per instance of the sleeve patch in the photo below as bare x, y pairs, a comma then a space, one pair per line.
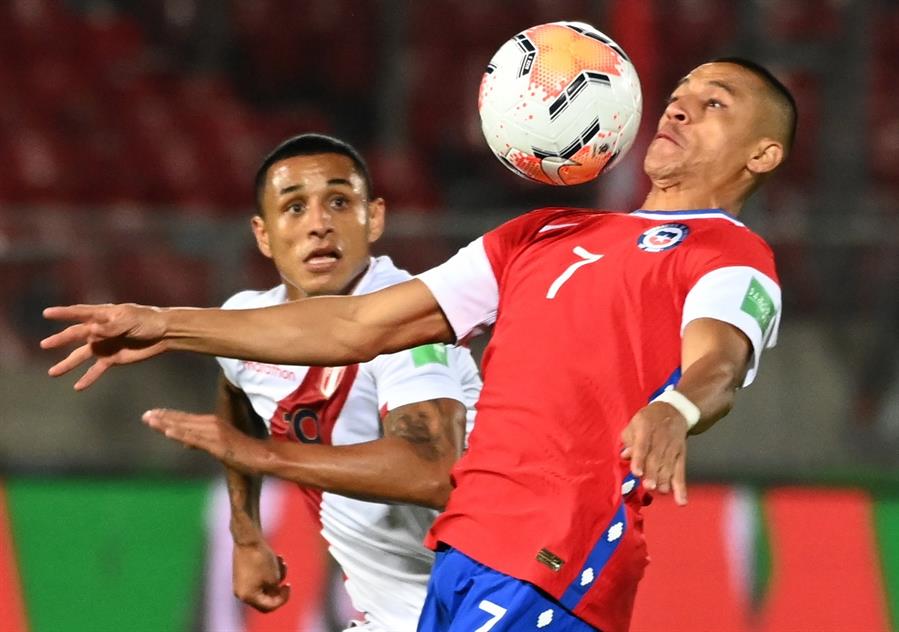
758, 304
429, 354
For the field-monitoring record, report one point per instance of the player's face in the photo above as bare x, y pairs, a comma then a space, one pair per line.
709, 129
317, 223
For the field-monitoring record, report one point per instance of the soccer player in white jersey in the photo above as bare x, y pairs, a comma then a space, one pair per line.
388, 429
615, 336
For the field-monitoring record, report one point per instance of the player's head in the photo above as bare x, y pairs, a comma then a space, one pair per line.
728, 124
315, 216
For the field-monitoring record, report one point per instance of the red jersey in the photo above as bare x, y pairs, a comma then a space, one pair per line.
589, 308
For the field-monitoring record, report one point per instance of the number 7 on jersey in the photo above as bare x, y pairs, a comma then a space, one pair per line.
586, 257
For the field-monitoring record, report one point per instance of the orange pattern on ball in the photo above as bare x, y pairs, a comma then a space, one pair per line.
563, 54
589, 164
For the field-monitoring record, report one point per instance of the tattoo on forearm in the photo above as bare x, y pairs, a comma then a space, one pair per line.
419, 427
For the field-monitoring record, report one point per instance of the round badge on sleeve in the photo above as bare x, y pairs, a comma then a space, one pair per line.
664, 237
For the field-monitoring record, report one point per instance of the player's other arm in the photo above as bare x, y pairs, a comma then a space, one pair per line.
258, 573
715, 357
233, 408
328, 331
410, 464
430, 437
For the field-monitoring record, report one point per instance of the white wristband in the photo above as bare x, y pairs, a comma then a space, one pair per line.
684, 406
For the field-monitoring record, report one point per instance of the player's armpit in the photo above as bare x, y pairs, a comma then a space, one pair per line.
434, 428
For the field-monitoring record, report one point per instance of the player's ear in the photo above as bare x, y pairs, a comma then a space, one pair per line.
766, 157
377, 209
261, 235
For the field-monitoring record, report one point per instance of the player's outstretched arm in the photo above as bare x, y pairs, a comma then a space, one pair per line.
258, 573
329, 331
410, 464
714, 356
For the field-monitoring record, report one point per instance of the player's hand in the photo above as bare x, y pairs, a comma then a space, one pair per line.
205, 432
258, 576
655, 441
113, 334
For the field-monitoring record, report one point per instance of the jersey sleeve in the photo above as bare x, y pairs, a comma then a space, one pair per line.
466, 289
736, 283
229, 365
416, 375
466, 286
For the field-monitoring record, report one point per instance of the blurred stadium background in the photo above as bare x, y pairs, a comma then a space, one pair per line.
129, 134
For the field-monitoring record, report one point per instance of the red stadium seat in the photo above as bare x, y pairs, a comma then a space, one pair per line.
802, 20
403, 178
159, 276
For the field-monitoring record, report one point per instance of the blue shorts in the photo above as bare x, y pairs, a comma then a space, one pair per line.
466, 596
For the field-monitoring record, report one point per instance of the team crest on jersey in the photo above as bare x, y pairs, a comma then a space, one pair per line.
664, 237
303, 425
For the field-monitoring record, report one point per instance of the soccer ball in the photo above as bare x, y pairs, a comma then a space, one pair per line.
560, 103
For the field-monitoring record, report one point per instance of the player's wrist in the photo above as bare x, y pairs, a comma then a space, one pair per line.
682, 404
169, 327
246, 533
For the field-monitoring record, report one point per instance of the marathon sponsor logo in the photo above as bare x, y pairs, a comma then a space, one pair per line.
272, 370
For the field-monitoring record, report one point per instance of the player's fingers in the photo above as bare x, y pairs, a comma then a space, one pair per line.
71, 361
665, 459
171, 416
679, 480
652, 463
71, 312
103, 328
93, 374
627, 435
262, 602
639, 448
268, 601
72, 333
155, 419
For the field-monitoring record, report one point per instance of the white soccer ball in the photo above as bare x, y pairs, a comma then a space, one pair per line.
560, 103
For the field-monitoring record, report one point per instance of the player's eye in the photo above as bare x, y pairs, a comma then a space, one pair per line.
714, 103
295, 208
339, 202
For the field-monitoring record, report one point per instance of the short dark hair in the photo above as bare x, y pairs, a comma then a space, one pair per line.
307, 145
780, 91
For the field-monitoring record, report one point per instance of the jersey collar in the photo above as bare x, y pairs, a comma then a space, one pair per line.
704, 213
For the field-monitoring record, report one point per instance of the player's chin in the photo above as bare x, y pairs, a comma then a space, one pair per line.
323, 283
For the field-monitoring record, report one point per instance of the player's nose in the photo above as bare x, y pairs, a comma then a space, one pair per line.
677, 111
319, 220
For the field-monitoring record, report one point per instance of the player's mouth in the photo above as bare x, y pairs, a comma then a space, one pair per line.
671, 138
323, 259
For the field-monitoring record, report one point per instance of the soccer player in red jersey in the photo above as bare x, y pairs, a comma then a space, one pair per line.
615, 335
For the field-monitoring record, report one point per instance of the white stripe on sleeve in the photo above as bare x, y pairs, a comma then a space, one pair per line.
744, 297
466, 289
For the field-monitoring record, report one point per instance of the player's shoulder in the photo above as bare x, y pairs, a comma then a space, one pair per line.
248, 299
548, 219
382, 272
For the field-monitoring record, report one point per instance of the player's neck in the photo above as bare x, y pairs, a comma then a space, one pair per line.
295, 292
677, 197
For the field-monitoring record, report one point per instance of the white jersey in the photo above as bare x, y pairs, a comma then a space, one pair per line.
379, 546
